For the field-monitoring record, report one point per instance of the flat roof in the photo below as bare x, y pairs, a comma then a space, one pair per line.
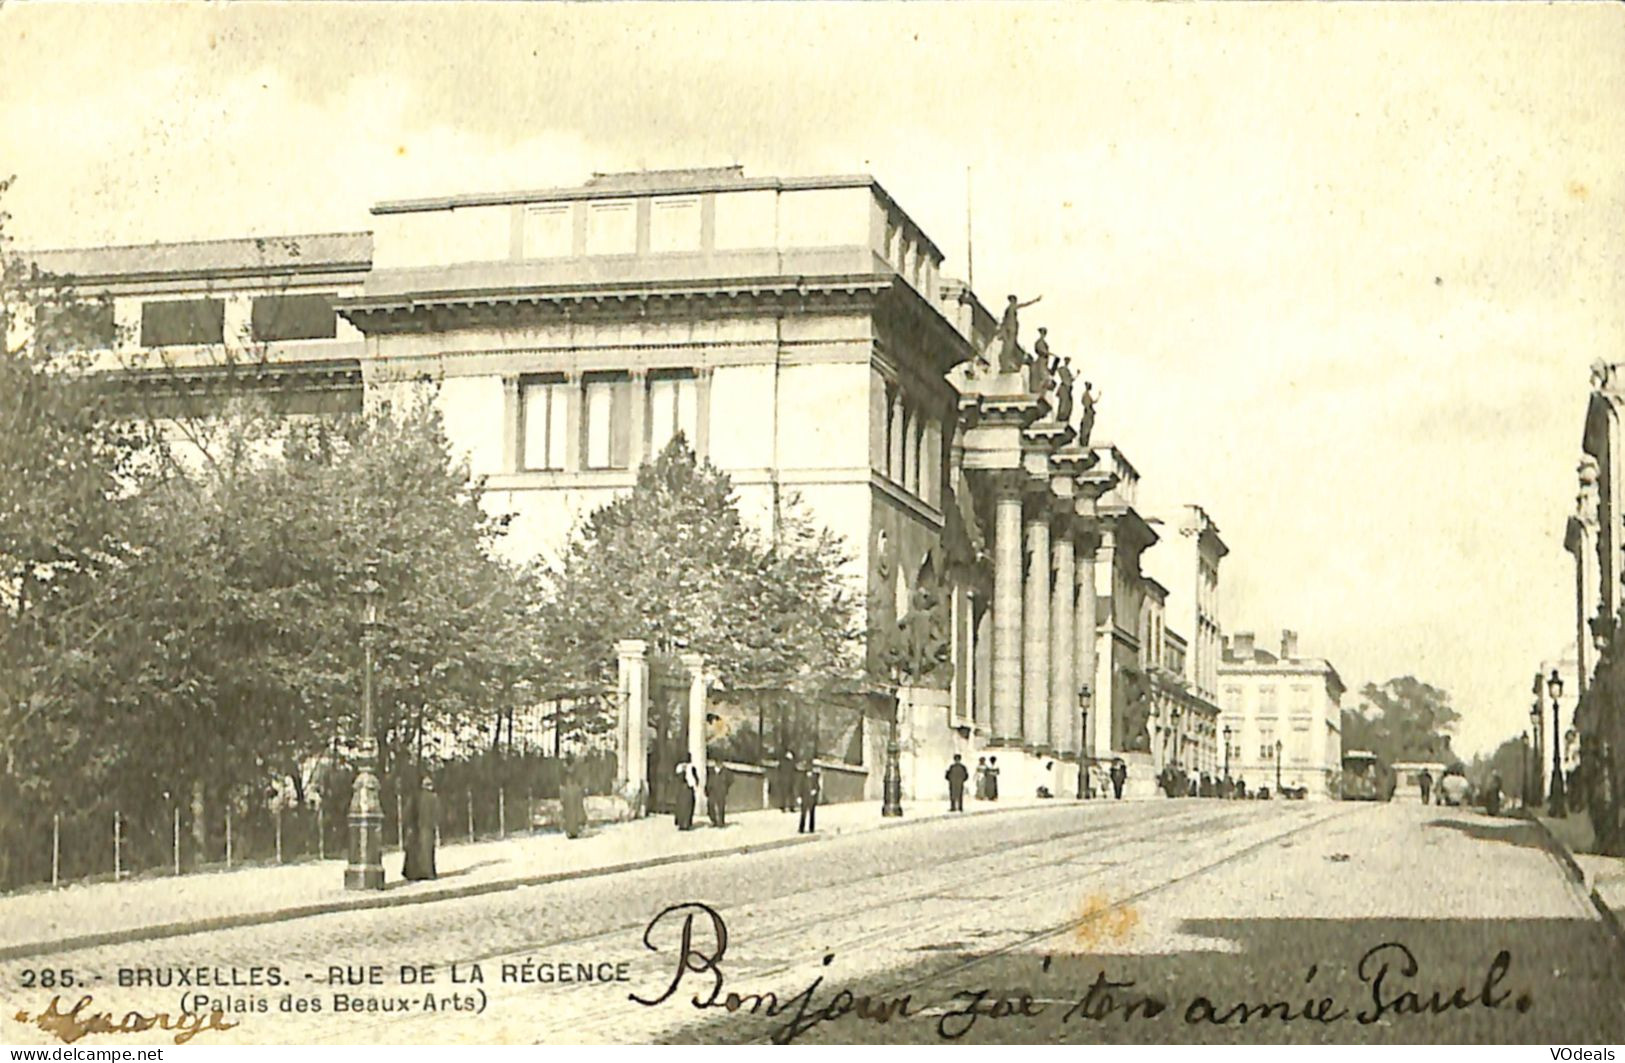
241, 255
648, 183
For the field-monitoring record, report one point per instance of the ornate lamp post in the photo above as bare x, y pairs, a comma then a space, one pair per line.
1083, 741
1173, 717
892, 783
1277, 767
366, 865
1537, 728
1523, 769
1227, 733
1559, 801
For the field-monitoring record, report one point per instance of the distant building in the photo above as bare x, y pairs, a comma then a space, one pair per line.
1284, 714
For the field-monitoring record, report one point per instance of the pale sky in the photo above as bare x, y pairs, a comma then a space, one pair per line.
1339, 271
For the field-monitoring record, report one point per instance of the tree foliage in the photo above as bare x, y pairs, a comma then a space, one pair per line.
1403, 719
672, 563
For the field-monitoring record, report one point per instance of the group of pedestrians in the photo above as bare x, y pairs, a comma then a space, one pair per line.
987, 781
798, 787
718, 779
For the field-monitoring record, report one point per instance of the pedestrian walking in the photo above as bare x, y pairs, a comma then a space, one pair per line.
1492, 794
421, 812
957, 774
788, 777
717, 782
981, 778
1119, 775
572, 802
1425, 783
811, 783
992, 778
688, 788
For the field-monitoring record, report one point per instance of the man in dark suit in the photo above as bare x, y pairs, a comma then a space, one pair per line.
957, 774
1119, 776
717, 782
787, 781
808, 790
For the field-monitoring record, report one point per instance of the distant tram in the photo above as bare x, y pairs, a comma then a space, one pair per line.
1366, 777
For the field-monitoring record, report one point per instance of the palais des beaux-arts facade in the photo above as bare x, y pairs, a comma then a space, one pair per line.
801, 335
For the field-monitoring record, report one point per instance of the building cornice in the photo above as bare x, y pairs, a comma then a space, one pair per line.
438, 310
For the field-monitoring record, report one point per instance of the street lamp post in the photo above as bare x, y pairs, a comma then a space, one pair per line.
1227, 733
1523, 768
1173, 717
1277, 767
1083, 741
365, 870
1559, 801
1537, 733
892, 784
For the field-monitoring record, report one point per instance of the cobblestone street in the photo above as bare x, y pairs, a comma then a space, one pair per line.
1234, 903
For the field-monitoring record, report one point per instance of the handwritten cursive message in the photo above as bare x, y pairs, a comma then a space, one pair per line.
695, 935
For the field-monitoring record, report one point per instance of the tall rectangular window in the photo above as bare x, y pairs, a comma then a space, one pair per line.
607, 410
612, 228
179, 322
65, 326
674, 406
1266, 699
1266, 743
294, 317
544, 408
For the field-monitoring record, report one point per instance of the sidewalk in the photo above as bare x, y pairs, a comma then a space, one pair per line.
106, 913
1603, 877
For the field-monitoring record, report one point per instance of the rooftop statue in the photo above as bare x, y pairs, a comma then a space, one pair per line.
1038, 377
1010, 360
1061, 369
1086, 419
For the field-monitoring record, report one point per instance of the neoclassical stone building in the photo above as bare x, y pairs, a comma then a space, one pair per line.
801, 335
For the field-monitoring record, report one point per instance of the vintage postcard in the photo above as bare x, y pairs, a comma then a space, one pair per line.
825, 524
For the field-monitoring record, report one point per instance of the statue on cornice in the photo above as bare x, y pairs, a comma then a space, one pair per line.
1061, 370
1038, 374
1086, 419
1009, 328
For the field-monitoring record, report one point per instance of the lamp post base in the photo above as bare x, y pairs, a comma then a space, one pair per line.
892, 787
365, 870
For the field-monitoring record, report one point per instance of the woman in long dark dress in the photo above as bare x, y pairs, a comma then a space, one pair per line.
420, 814
573, 798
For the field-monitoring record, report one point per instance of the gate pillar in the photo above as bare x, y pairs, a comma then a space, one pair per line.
694, 664
631, 733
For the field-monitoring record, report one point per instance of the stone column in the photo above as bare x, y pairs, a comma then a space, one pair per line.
1063, 688
1084, 625
694, 664
513, 447
637, 430
1103, 703
1006, 729
981, 707
1035, 628
632, 767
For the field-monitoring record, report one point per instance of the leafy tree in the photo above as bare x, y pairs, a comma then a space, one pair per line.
66, 463
240, 625
671, 562
1403, 719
